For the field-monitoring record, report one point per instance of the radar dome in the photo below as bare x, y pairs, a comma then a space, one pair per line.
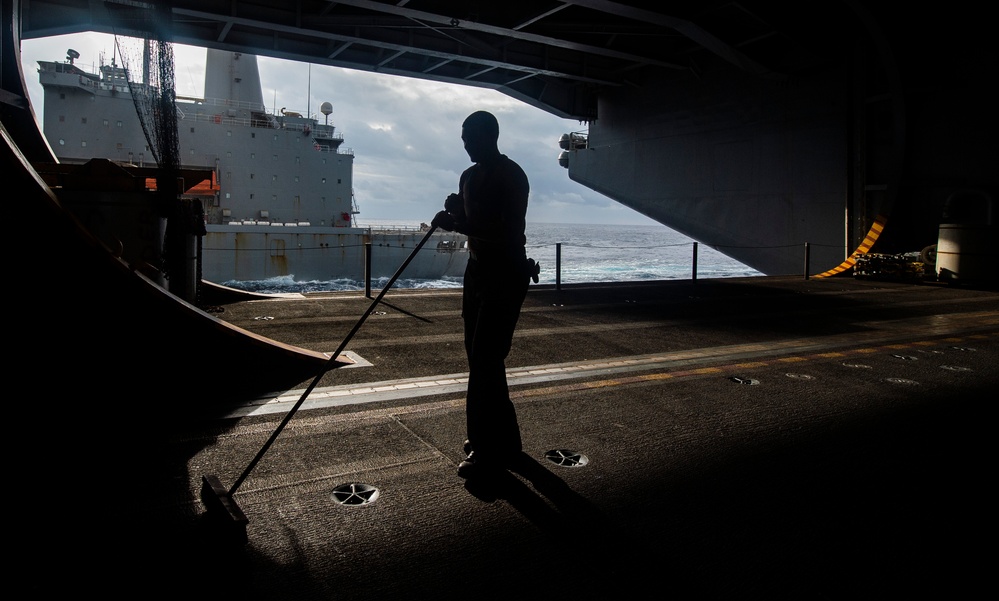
326, 108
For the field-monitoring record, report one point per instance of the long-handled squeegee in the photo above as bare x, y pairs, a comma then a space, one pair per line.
217, 499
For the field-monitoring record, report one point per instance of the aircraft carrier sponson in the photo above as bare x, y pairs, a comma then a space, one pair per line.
870, 135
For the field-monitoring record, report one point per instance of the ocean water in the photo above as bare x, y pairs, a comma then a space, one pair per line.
589, 254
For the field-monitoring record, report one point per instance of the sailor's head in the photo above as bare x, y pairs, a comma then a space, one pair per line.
479, 132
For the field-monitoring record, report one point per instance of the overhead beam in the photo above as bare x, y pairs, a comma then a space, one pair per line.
682, 26
231, 21
506, 32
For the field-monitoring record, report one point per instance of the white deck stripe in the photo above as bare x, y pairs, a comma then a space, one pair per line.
388, 390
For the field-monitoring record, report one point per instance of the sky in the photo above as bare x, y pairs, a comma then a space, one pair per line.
405, 132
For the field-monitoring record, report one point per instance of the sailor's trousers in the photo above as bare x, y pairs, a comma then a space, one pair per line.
492, 297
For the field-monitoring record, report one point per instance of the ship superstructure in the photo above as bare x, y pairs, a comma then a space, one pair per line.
281, 202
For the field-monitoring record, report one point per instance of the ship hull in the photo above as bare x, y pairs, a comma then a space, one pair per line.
280, 202
756, 185
305, 254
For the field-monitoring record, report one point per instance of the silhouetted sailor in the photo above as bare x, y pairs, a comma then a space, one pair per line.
491, 209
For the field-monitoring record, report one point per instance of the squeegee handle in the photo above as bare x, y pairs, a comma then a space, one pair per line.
329, 364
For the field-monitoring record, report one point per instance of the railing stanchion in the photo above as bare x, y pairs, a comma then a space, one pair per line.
558, 266
693, 275
367, 270
808, 250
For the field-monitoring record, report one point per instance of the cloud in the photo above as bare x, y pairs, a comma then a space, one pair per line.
404, 132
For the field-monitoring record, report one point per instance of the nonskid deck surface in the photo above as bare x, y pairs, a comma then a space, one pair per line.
761, 437
888, 336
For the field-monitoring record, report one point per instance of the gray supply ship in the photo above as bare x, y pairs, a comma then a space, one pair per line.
280, 200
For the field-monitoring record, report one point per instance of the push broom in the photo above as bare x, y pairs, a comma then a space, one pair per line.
217, 499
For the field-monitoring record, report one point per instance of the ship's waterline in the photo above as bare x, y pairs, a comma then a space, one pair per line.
568, 254
307, 254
